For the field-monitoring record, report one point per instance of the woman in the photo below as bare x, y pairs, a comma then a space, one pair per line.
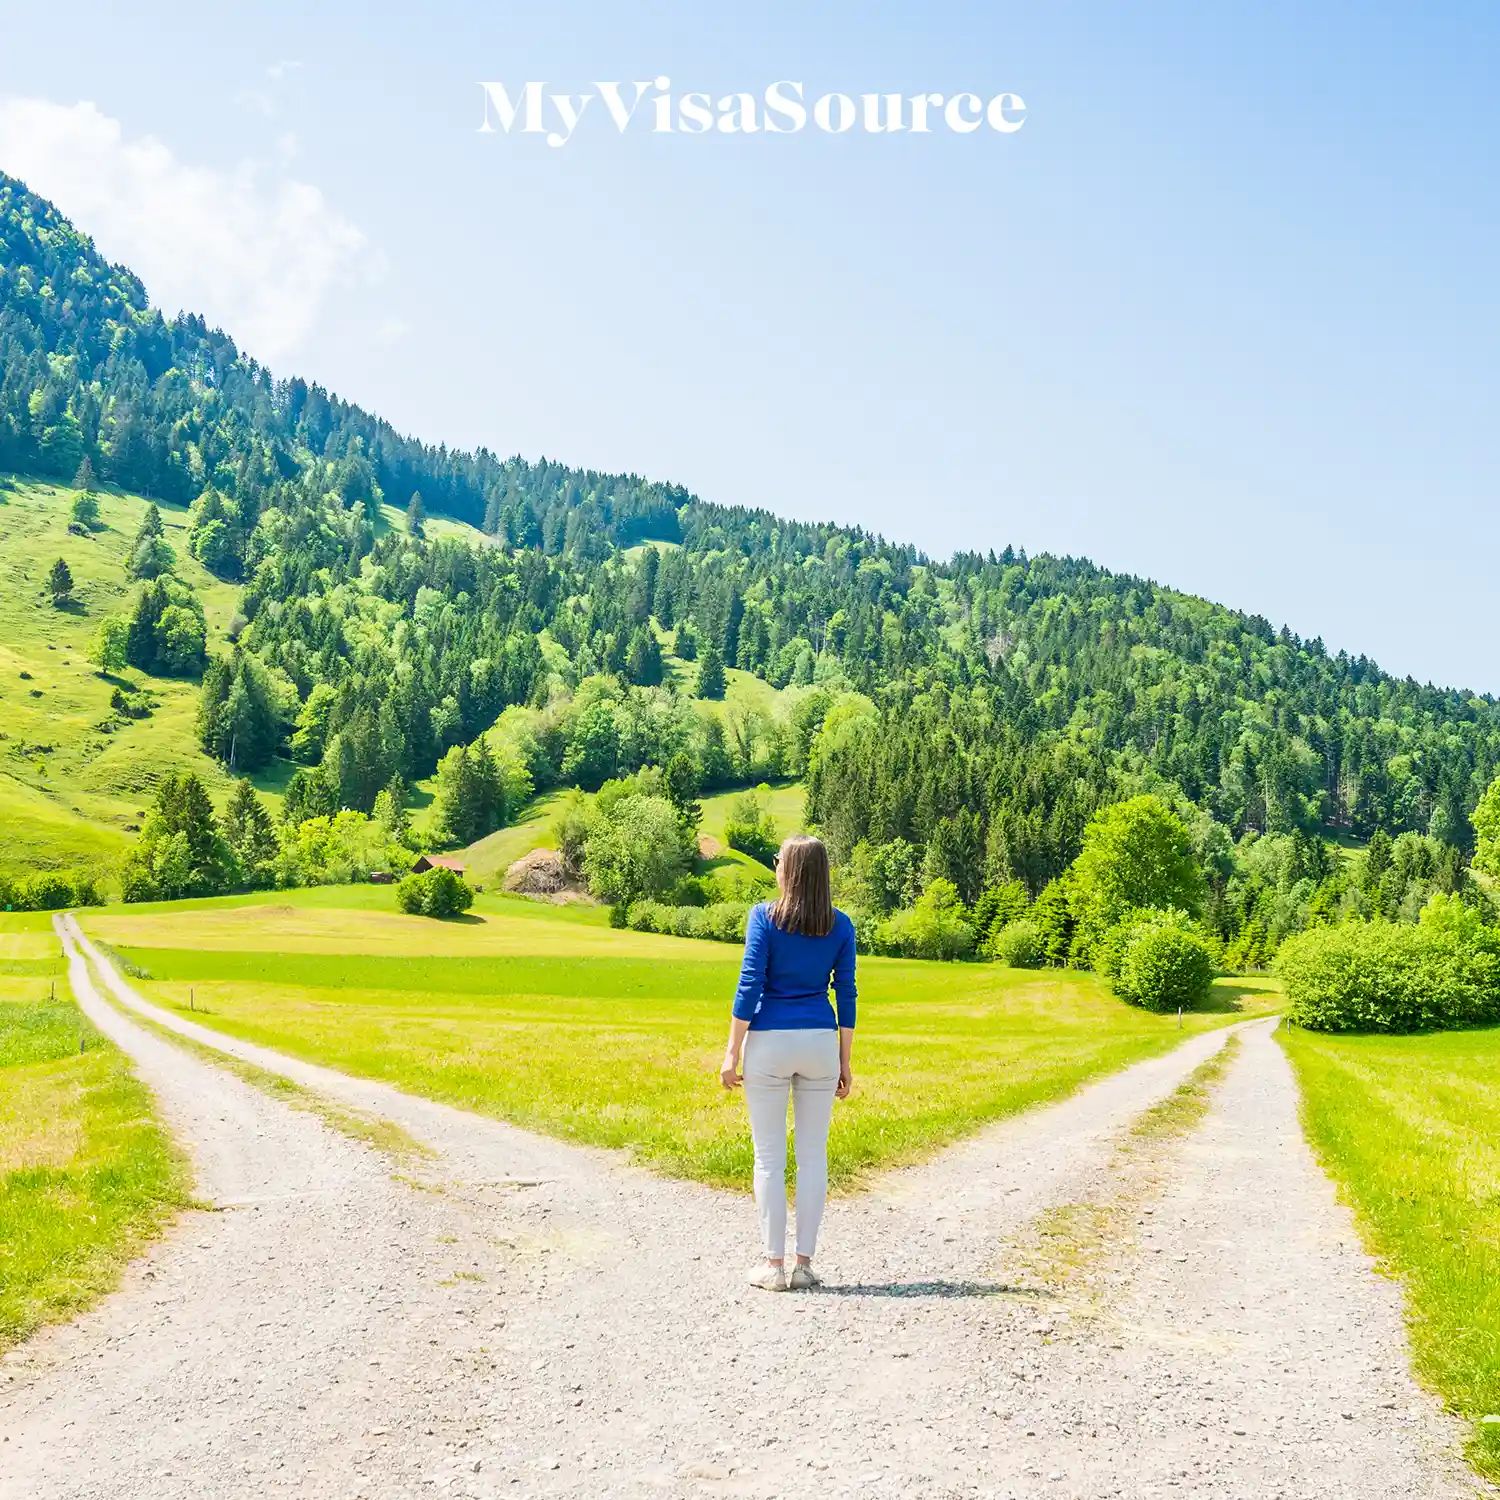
793, 1042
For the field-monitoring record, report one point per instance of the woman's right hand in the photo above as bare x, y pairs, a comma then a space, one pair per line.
846, 1081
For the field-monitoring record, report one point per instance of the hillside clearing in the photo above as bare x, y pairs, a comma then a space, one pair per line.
78, 787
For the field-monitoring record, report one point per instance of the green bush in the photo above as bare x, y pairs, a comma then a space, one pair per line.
1108, 956
1380, 976
1165, 966
937, 927
723, 921
634, 847
687, 921
434, 893
689, 890
738, 883
1018, 944
51, 890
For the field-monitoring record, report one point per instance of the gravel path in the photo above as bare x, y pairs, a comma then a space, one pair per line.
547, 1320
1238, 1342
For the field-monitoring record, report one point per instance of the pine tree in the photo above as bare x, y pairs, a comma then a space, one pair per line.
60, 584
238, 721
85, 502
390, 810
416, 515
682, 791
150, 556
643, 664
489, 809
251, 835
711, 680
309, 794
457, 797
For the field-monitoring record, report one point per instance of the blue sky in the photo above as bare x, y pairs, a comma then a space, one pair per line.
1223, 313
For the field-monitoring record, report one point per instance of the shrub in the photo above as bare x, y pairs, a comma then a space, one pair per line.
570, 830
724, 921
689, 890
45, 893
1165, 966
1018, 944
1378, 976
434, 893
1109, 951
51, 891
737, 884
935, 928
686, 921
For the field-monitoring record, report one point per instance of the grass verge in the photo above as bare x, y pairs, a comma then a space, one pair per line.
1409, 1128
87, 1174
375, 1131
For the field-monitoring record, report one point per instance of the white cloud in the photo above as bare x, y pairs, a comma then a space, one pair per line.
249, 248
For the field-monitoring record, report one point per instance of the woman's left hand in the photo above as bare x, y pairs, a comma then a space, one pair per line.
729, 1074
846, 1081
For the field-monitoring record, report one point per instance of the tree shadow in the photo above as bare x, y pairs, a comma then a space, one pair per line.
939, 1289
1226, 996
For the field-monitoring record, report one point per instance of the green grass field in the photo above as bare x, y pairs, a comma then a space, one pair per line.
1409, 1126
78, 790
547, 1017
86, 1173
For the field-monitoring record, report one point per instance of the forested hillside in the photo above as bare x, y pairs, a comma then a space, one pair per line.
977, 711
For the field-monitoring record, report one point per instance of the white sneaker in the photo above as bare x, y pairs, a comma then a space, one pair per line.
768, 1278
803, 1277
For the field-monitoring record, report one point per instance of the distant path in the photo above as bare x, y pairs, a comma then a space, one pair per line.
610, 1347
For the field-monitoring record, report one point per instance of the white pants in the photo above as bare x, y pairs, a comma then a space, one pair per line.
806, 1065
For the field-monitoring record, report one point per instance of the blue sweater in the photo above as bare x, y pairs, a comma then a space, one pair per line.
784, 979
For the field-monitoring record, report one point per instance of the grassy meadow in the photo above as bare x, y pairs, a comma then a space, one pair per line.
547, 1017
78, 788
1409, 1127
86, 1173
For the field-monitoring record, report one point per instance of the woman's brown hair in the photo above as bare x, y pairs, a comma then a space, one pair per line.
806, 901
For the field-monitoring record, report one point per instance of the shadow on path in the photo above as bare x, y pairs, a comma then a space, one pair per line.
934, 1289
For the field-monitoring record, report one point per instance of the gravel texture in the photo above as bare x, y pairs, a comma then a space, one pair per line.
526, 1317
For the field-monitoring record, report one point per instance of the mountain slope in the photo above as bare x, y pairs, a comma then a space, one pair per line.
1008, 696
